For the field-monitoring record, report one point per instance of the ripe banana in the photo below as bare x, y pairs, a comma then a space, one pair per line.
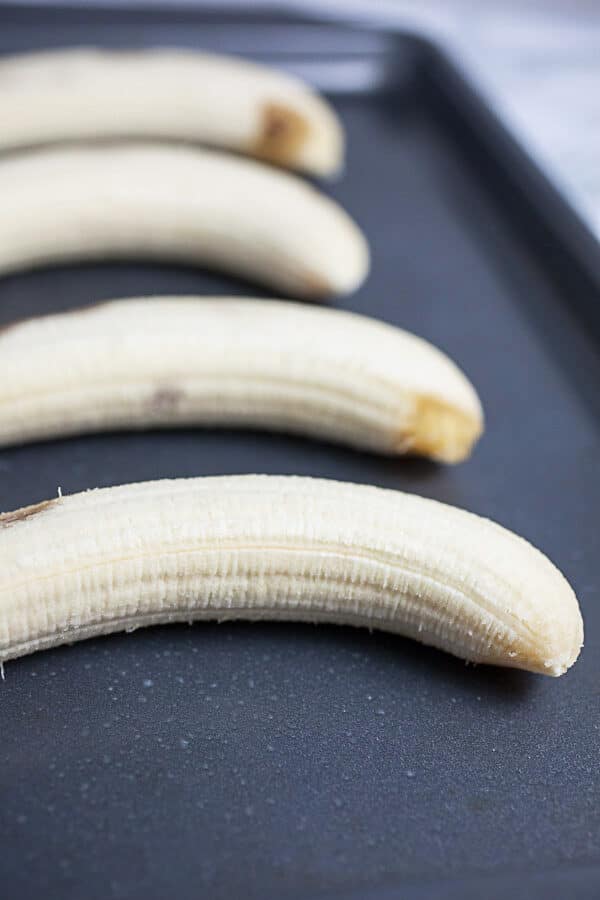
184, 361
180, 204
88, 93
265, 547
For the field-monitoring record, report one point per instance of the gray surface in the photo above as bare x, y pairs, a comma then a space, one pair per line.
286, 761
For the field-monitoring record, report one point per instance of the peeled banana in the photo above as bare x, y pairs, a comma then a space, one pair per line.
183, 361
86, 93
265, 547
179, 204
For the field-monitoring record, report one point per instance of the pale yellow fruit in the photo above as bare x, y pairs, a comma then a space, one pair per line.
178, 204
263, 547
220, 361
224, 101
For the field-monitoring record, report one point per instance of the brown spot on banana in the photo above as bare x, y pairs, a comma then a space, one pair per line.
440, 430
282, 132
283, 548
26, 512
317, 288
165, 400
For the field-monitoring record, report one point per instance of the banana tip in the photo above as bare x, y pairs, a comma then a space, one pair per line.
562, 663
288, 138
442, 431
558, 645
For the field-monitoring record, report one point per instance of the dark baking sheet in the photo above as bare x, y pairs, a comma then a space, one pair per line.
289, 761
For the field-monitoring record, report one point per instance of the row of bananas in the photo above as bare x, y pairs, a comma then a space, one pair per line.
246, 546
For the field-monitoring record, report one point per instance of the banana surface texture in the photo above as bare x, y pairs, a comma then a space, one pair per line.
163, 362
267, 547
87, 93
177, 204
